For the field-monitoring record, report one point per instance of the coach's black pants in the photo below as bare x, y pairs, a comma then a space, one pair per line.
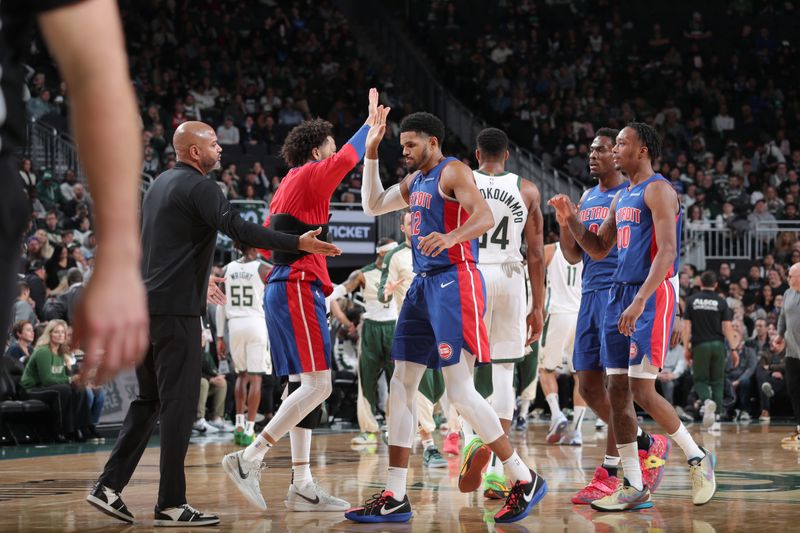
793, 385
169, 385
15, 213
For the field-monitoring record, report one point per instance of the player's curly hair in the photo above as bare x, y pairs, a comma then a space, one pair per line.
425, 123
492, 142
611, 133
302, 140
648, 136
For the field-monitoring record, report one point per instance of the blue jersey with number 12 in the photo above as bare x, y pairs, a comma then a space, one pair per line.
594, 210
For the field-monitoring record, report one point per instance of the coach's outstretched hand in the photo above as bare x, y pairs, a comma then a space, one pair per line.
309, 243
111, 320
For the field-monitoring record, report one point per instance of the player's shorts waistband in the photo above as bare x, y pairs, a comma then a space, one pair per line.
628, 283
436, 271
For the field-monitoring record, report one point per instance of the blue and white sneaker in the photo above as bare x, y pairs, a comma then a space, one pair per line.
381, 508
522, 498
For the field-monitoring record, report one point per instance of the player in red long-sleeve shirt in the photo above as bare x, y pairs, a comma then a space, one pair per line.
294, 303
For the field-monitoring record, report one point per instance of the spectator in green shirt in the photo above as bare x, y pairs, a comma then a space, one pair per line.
45, 378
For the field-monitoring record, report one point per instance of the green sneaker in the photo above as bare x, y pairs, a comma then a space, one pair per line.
237, 436
247, 440
364, 438
433, 459
495, 486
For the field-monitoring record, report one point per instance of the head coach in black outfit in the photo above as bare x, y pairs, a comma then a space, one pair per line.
181, 214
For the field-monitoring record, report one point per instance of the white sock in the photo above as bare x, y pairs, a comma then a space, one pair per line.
629, 457
524, 408
516, 469
611, 461
240, 420
257, 450
577, 417
427, 443
495, 466
301, 475
639, 431
396, 482
249, 427
552, 401
683, 439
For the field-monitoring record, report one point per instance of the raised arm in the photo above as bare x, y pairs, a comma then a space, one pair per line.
534, 238
111, 318
374, 199
596, 245
457, 178
569, 246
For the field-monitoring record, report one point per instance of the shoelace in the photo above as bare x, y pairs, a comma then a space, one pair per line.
192, 510
322, 493
377, 500
514, 496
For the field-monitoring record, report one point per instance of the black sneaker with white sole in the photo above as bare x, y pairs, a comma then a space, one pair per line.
109, 502
183, 516
381, 507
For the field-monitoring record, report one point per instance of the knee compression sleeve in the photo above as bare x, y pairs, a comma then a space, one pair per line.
311, 421
315, 387
472, 406
503, 390
402, 403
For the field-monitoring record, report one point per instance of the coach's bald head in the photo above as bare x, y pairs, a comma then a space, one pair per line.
196, 144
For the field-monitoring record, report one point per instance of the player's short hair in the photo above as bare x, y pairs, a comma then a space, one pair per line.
425, 123
648, 136
492, 142
611, 133
302, 140
708, 278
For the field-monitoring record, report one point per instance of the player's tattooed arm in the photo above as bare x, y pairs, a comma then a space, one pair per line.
596, 245
354, 281
569, 246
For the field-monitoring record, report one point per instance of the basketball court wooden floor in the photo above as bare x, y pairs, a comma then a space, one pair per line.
758, 488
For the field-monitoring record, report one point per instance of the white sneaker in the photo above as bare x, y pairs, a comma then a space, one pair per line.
557, 427
222, 425
600, 425
709, 413
571, 437
204, 427
715, 428
313, 498
246, 475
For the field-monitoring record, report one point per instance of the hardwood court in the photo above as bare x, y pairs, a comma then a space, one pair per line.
758, 487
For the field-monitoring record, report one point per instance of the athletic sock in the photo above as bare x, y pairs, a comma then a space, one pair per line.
249, 427
396, 482
524, 408
427, 443
516, 469
629, 458
611, 464
683, 439
257, 450
643, 440
577, 418
301, 475
552, 401
240, 420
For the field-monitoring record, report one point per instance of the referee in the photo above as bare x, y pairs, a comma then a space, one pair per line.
181, 215
706, 325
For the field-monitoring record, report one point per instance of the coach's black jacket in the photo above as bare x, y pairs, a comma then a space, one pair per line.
181, 214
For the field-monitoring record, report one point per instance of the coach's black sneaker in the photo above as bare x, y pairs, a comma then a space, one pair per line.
381, 508
521, 499
183, 516
109, 502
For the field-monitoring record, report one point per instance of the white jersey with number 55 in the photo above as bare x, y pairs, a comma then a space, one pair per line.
502, 243
244, 290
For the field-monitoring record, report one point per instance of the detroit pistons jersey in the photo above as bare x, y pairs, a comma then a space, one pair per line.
502, 243
432, 212
597, 274
636, 237
244, 290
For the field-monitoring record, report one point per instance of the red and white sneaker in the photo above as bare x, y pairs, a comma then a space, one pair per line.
602, 485
451, 444
653, 461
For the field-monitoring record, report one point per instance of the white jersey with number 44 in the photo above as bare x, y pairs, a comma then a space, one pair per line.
502, 243
244, 290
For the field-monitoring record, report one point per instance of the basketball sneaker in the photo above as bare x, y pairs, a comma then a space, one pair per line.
246, 439
557, 427
110, 502
625, 498
475, 458
654, 460
183, 516
237, 436
701, 472
495, 486
601, 485
794, 438
246, 475
600, 425
521, 423
709, 413
521, 499
312, 497
204, 427
571, 437
381, 508
451, 443
364, 438
432, 458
